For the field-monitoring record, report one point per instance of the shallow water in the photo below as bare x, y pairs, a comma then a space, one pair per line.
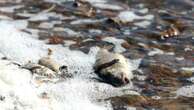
141, 30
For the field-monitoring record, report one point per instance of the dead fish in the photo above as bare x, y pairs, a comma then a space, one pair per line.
113, 68
43, 71
39, 69
50, 63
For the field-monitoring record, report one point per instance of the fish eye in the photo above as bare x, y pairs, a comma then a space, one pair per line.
126, 80
63, 68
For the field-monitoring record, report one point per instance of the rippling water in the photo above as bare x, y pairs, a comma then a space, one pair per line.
155, 36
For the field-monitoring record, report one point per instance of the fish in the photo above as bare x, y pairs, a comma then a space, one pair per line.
113, 68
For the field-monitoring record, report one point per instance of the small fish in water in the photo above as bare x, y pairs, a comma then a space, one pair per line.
113, 68
170, 32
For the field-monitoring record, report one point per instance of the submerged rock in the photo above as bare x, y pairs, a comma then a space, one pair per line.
113, 68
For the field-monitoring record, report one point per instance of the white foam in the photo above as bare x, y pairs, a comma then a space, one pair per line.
107, 6
117, 42
155, 51
85, 21
9, 75
18, 45
76, 93
97, 1
8, 1
71, 32
131, 108
97, 31
188, 69
10, 9
46, 25
4, 17
25, 14
187, 91
143, 11
129, 16
43, 16
68, 31
69, 42
15, 82
57, 1
18, 24
72, 94
104, 4
143, 24
15, 86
